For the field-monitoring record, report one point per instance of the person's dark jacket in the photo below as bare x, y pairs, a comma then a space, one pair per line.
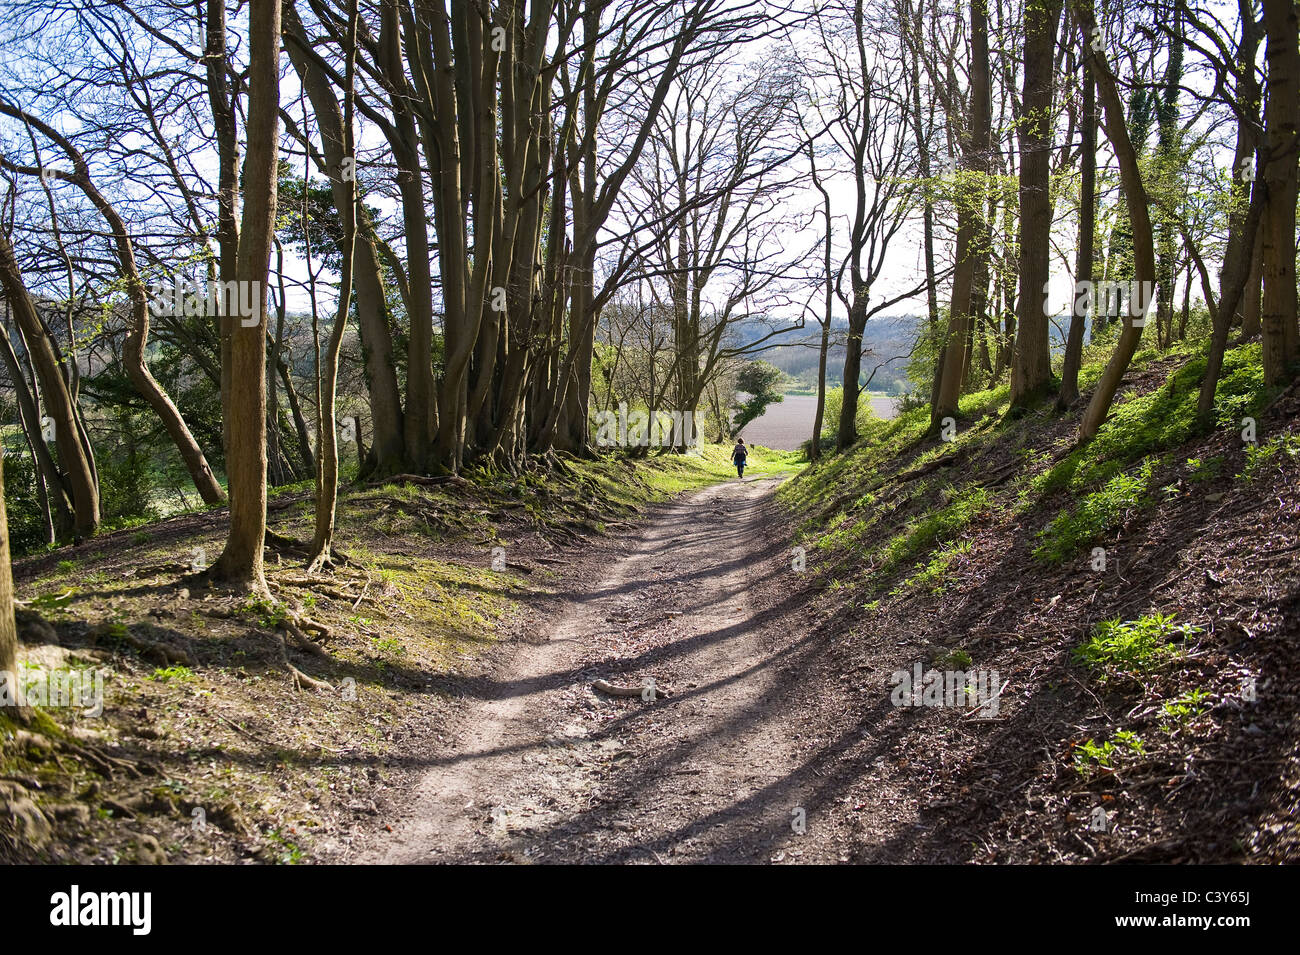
739, 453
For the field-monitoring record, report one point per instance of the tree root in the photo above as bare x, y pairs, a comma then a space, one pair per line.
148, 649
429, 481
294, 628
299, 678
22, 824
280, 542
105, 763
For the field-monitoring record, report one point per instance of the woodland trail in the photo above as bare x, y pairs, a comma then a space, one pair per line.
546, 769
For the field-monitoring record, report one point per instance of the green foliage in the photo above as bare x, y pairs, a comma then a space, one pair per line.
1092, 754
284, 850
53, 601
956, 659
321, 217
868, 421
924, 357
1133, 646
936, 526
1258, 457
1185, 708
1201, 471
28, 531
1158, 421
269, 614
1097, 514
760, 380
932, 577
127, 470
177, 674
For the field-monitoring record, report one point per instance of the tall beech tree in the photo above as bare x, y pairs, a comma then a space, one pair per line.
1031, 366
241, 561
1139, 219
974, 138
1282, 145
343, 181
1083, 263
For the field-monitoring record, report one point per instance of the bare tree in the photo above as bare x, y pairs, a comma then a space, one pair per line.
1139, 219
58, 399
1031, 367
865, 84
241, 560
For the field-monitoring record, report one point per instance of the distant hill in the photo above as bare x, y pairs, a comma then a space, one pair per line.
888, 341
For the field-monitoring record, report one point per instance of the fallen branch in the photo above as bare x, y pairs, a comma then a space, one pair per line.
615, 689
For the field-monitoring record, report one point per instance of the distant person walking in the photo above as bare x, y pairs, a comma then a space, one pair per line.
738, 455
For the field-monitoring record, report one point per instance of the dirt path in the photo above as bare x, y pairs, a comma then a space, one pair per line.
548, 770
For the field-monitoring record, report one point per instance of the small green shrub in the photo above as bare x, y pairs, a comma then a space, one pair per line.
1092, 754
177, 674
1132, 646
1259, 456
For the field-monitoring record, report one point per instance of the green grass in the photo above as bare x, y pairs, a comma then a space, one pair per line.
1098, 513
1161, 420
932, 577
936, 526
1112, 477
621, 480
177, 674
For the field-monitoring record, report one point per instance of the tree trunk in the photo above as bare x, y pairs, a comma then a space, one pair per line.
58, 401
388, 444
8, 630
814, 450
1282, 129
970, 226
848, 430
1144, 264
299, 420
327, 457
241, 560
1069, 393
1251, 300
225, 126
1031, 365
1234, 284
57, 505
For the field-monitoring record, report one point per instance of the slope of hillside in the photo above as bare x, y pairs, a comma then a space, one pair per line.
1134, 601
